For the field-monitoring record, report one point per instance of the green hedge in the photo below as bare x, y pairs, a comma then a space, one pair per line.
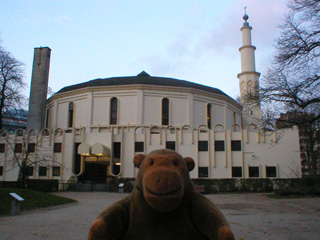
43, 185
230, 185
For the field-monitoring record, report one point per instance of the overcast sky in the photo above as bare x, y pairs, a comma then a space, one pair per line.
193, 40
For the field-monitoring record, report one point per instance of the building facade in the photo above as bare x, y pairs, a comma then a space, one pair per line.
93, 130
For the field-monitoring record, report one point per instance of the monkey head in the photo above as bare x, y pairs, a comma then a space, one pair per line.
163, 178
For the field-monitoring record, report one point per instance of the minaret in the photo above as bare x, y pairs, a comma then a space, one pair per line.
249, 78
39, 88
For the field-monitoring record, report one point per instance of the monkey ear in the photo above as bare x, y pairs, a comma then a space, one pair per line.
138, 160
190, 163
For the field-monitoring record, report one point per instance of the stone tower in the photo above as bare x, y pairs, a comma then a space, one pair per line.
249, 78
39, 88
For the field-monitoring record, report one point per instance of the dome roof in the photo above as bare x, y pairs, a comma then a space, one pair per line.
144, 79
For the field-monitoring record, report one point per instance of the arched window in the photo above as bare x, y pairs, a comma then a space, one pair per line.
165, 111
113, 110
70, 114
209, 107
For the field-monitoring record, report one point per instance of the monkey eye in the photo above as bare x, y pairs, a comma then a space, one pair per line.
175, 162
151, 162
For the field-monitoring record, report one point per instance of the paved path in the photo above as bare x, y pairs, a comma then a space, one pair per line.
251, 216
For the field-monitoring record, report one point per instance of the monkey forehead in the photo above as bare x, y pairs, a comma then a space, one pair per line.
163, 152
168, 156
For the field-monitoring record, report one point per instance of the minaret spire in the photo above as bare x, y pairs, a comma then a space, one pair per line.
249, 78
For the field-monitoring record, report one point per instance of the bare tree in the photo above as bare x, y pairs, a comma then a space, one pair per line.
293, 81
11, 84
290, 90
309, 139
310, 147
27, 152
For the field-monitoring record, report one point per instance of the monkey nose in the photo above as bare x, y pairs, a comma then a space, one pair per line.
162, 183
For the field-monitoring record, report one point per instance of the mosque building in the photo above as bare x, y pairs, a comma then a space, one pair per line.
90, 132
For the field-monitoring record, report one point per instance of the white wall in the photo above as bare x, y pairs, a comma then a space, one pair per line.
185, 108
258, 149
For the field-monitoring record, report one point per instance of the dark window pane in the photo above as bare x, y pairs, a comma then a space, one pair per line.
29, 171
165, 111
76, 159
271, 171
1, 170
117, 149
236, 171
171, 145
209, 116
254, 172
139, 146
113, 110
70, 114
235, 145
2, 147
57, 147
203, 172
219, 145
18, 147
47, 118
56, 171
42, 171
203, 146
31, 147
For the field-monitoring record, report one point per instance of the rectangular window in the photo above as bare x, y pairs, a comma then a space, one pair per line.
31, 147
165, 111
71, 112
117, 149
271, 171
18, 147
235, 145
203, 172
236, 172
29, 171
219, 145
171, 145
203, 146
42, 171
57, 147
2, 147
47, 118
139, 146
113, 111
1, 170
254, 172
56, 171
76, 159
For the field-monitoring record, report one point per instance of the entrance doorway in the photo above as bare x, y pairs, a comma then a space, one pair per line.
95, 172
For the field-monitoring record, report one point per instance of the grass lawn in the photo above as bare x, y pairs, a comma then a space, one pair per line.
32, 199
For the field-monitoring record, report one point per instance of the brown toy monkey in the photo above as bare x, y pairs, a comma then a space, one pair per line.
162, 206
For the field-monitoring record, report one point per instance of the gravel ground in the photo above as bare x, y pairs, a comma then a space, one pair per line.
251, 216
